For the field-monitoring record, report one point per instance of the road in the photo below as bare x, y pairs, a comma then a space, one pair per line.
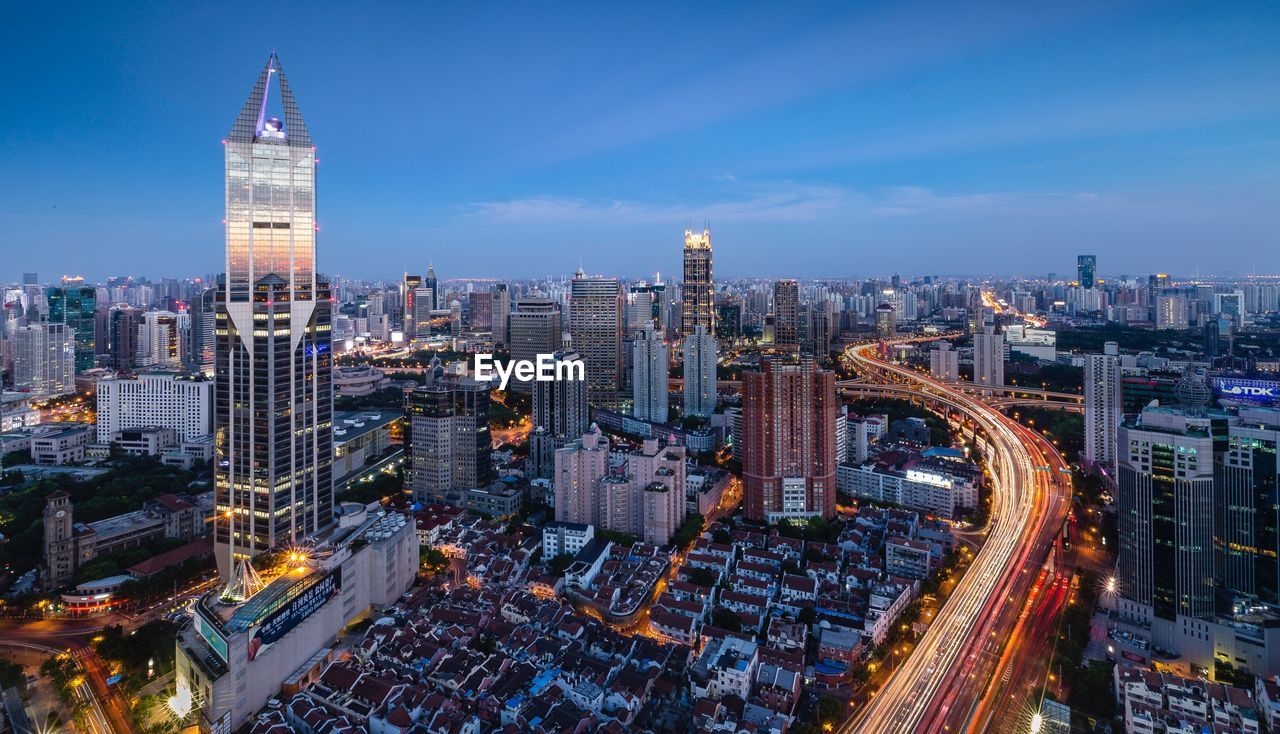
940, 683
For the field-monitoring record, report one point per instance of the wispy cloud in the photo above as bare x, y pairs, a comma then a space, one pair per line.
769, 202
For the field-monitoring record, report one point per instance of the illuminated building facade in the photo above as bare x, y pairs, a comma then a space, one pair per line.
74, 306
698, 299
274, 393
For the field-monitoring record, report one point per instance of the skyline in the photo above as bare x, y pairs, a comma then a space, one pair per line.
931, 140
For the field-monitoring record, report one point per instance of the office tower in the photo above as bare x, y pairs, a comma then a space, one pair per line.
700, 360
421, 314
1166, 510
789, 410
123, 322
447, 437
203, 317
501, 313
74, 306
44, 359
944, 362
433, 283
988, 357
1172, 312
729, 321
165, 399
534, 328
786, 314
409, 286
559, 415
818, 342
1247, 506
886, 321
273, 413
698, 298
1230, 306
480, 311
641, 309
158, 340
652, 361
1103, 408
1085, 267
595, 324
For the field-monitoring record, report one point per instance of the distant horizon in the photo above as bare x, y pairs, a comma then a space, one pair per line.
1001, 138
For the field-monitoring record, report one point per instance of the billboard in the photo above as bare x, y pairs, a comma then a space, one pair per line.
1247, 389
211, 637
284, 619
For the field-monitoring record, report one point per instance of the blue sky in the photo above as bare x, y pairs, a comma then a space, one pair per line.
500, 139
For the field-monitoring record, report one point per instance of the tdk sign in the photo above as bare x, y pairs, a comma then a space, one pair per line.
1252, 390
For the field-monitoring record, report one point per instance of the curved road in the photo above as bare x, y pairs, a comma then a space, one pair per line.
939, 685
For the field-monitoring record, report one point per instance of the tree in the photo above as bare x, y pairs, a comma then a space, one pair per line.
726, 619
689, 531
558, 565
702, 576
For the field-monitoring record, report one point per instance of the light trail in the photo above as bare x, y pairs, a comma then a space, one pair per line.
1027, 508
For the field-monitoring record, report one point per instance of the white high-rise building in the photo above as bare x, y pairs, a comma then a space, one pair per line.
44, 359
700, 373
163, 399
944, 362
159, 340
988, 357
1172, 312
1102, 406
651, 360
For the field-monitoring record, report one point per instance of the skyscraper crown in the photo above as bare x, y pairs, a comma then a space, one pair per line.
254, 124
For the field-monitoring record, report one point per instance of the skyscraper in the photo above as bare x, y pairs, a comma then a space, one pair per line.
944, 362
123, 322
786, 314
501, 308
44, 359
595, 324
158, 343
447, 437
699, 373
988, 357
651, 360
789, 410
1085, 267
560, 415
434, 284
203, 317
1102, 406
409, 286
886, 321
698, 300
274, 387
74, 306
533, 328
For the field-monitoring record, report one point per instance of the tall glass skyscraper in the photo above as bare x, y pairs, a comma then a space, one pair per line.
74, 306
274, 397
699, 294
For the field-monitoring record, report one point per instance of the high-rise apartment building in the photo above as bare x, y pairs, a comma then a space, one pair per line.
1086, 265
595, 325
273, 414
560, 415
789, 410
533, 328
640, 492
698, 299
447, 437
700, 360
651, 360
786, 314
1103, 407
75, 307
44, 359
944, 362
164, 399
1172, 312
988, 357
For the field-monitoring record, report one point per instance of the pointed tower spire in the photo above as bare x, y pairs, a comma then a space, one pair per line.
253, 120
